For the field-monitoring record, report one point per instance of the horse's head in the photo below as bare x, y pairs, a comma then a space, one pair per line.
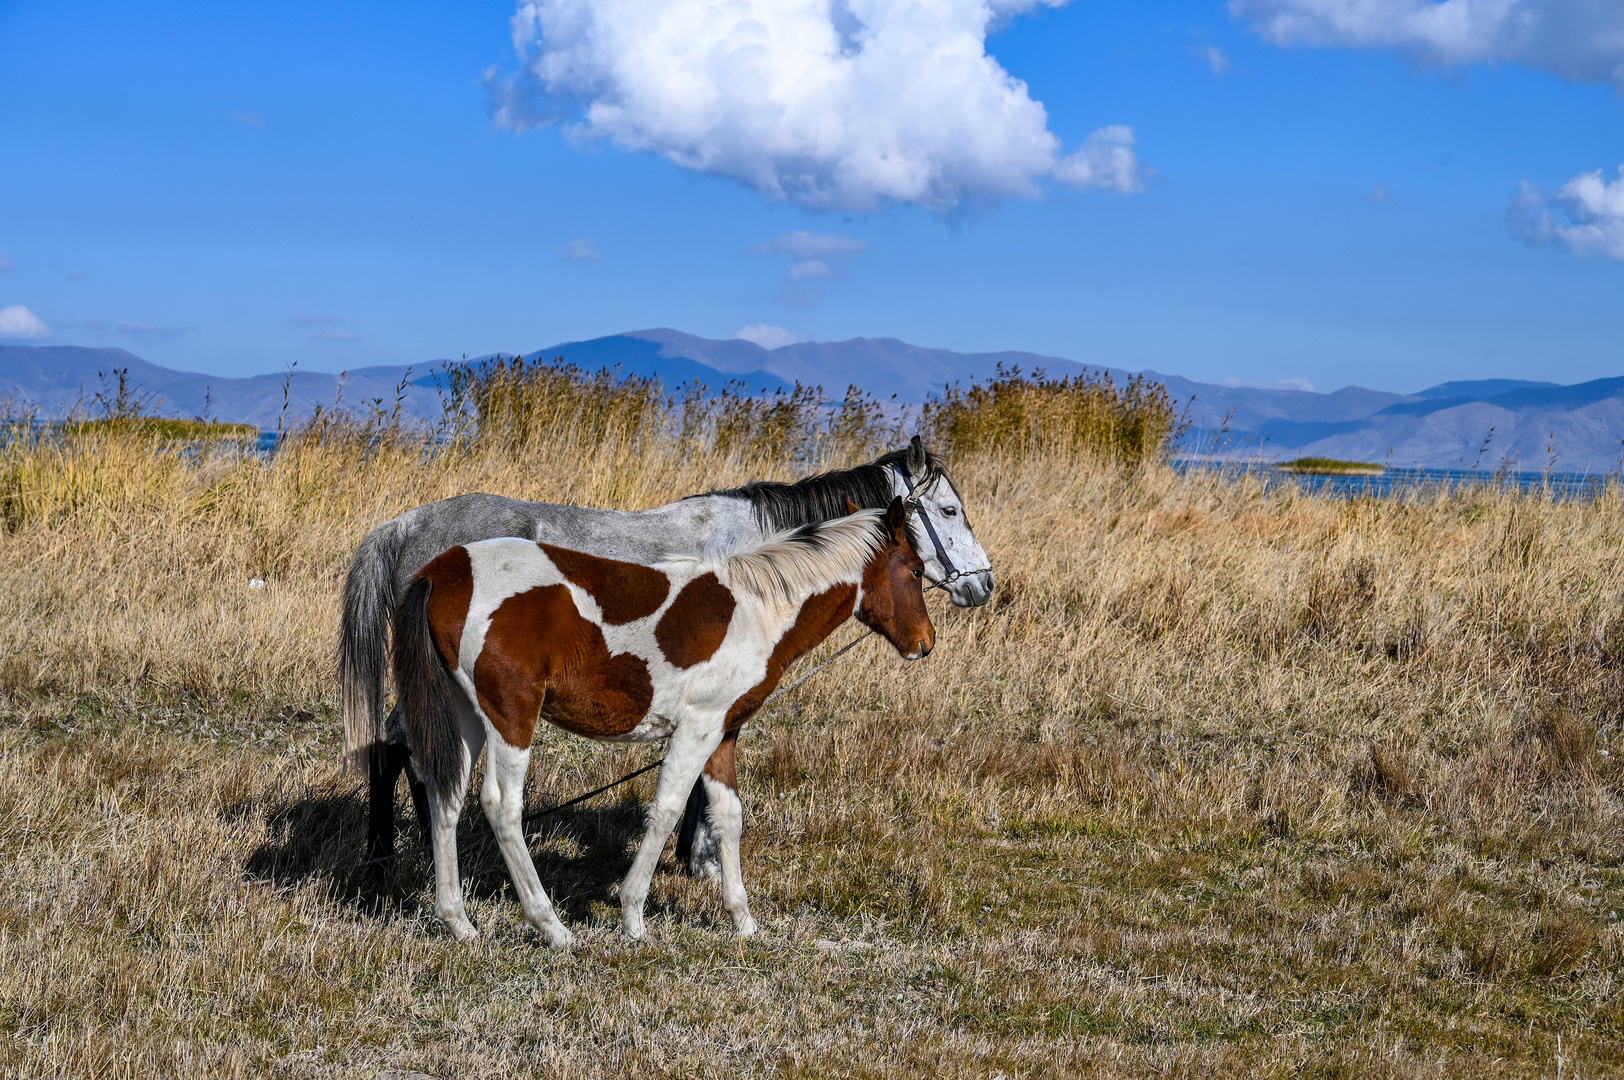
893, 596
953, 556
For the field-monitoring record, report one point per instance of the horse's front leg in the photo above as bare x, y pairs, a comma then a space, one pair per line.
727, 821
690, 746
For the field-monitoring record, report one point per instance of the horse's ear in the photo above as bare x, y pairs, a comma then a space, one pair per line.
917, 458
851, 507
896, 521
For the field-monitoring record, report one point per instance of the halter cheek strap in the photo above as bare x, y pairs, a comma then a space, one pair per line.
949, 571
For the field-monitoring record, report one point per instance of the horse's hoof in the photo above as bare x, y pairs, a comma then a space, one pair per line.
745, 927
634, 930
461, 929
558, 937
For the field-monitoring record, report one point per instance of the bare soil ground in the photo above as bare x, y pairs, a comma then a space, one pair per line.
1224, 782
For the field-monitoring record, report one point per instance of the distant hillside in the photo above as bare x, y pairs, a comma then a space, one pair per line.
1457, 424
55, 377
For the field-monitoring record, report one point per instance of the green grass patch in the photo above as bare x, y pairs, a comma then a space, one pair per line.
1324, 466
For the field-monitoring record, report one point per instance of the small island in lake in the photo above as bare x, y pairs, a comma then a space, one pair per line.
1319, 466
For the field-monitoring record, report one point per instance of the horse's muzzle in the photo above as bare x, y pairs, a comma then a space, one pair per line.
972, 590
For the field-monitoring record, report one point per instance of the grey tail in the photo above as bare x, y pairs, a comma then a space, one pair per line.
363, 640
426, 696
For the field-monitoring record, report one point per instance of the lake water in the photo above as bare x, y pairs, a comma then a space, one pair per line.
1392, 483
1401, 482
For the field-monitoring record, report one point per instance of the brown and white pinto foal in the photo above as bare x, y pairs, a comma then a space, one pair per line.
493, 636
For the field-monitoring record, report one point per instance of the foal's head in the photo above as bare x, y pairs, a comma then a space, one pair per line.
893, 595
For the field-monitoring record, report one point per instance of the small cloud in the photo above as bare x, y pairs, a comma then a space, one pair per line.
138, 328
248, 118
583, 249
1214, 56
810, 250
1526, 217
1105, 160
1380, 195
1593, 205
1279, 384
335, 335
6, 263
17, 321
768, 336
78, 275
810, 268
809, 245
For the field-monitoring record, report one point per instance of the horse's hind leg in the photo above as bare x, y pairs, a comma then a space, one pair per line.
697, 852
727, 820
447, 808
503, 799
685, 755
387, 762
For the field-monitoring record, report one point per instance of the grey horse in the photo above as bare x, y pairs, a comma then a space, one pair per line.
393, 553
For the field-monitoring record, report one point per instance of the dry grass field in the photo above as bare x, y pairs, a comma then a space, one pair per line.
1225, 781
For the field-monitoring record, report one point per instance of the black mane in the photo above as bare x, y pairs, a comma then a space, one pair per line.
823, 497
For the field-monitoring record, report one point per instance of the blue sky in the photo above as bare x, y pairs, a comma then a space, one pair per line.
1306, 197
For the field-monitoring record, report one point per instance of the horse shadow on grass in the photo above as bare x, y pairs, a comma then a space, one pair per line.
318, 835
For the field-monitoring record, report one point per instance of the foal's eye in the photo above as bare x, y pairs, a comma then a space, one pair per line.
949, 511
918, 573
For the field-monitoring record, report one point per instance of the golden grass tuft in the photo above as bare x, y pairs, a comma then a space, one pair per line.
1226, 781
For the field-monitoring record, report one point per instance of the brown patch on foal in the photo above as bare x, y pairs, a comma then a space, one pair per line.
694, 626
625, 592
451, 579
540, 656
723, 764
819, 617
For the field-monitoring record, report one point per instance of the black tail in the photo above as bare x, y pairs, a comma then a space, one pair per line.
427, 701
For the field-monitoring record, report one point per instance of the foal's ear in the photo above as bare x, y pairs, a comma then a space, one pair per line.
851, 507
917, 459
896, 521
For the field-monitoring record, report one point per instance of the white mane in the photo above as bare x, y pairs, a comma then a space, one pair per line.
795, 562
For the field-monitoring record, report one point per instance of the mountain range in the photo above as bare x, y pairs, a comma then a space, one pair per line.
1486, 422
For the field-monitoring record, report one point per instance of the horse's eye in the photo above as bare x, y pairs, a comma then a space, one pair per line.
949, 511
919, 573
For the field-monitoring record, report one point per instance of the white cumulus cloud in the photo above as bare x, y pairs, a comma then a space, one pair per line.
831, 104
1593, 206
17, 321
1579, 40
768, 336
1105, 160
